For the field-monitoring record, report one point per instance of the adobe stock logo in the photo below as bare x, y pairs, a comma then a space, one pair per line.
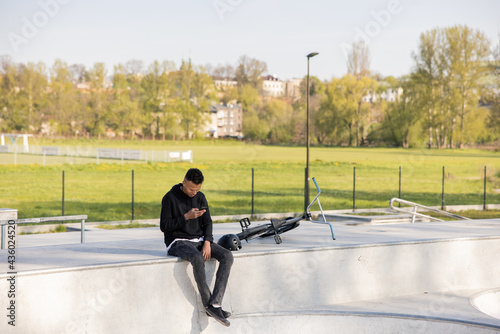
373, 28
31, 27
224, 6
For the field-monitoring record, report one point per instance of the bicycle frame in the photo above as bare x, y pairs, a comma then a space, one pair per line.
278, 226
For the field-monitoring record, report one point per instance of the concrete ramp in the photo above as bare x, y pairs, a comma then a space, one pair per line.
385, 278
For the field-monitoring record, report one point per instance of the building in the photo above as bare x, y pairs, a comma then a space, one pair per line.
293, 88
272, 86
389, 95
223, 84
226, 120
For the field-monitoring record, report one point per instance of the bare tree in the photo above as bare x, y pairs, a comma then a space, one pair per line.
358, 61
79, 73
222, 72
250, 71
134, 67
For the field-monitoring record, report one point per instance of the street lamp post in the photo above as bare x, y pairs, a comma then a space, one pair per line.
306, 189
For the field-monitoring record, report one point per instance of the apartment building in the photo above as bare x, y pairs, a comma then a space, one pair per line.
272, 86
226, 120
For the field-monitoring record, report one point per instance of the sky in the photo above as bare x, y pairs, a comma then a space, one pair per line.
218, 32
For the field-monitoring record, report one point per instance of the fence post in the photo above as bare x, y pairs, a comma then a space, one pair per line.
484, 198
133, 214
62, 193
354, 189
253, 184
442, 192
399, 196
82, 229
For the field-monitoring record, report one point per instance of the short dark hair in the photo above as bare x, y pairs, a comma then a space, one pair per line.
194, 175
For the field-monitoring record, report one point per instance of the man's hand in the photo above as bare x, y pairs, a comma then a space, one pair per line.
207, 250
194, 213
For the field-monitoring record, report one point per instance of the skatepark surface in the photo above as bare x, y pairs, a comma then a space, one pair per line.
427, 277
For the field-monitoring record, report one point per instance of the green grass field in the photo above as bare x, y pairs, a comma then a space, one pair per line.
103, 191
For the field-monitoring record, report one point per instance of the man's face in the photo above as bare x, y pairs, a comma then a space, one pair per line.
190, 188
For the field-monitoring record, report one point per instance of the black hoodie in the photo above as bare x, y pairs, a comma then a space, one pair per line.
174, 205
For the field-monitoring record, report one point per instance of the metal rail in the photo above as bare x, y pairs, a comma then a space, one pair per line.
415, 208
10, 222
321, 209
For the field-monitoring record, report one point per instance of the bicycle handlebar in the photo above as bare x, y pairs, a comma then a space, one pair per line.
316, 183
321, 209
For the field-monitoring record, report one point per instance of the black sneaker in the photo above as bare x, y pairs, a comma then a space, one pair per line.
216, 313
226, 314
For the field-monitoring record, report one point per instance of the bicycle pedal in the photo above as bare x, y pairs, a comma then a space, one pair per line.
244, 223
277, 238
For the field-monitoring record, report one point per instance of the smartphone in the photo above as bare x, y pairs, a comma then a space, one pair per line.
204, 207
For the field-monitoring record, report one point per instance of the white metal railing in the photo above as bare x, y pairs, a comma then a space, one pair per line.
426, 208
101, 153
13, 222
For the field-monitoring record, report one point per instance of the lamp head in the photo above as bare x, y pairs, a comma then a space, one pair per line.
312, 54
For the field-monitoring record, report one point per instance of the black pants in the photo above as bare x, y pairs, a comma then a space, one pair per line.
191, 251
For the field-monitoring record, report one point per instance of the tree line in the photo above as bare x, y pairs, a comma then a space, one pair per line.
450, 98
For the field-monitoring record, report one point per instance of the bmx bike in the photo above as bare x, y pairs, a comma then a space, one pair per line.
275, 227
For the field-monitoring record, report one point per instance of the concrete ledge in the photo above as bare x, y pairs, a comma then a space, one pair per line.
345, 215
146, 296
7, 214
124, 282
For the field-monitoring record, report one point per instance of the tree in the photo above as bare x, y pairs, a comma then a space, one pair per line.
157, 87
254, 126
492, 98
359, 116
194, 92
279, 116
226, 93
358, 61
221, 72
11, 112
203, 95
64, 112
98, 107
450, 64
343, 109
403, 116
125, 115
250, 71
134, 68
79, 73
467, 53
248, 96
33, 96
316, 88
429, 74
